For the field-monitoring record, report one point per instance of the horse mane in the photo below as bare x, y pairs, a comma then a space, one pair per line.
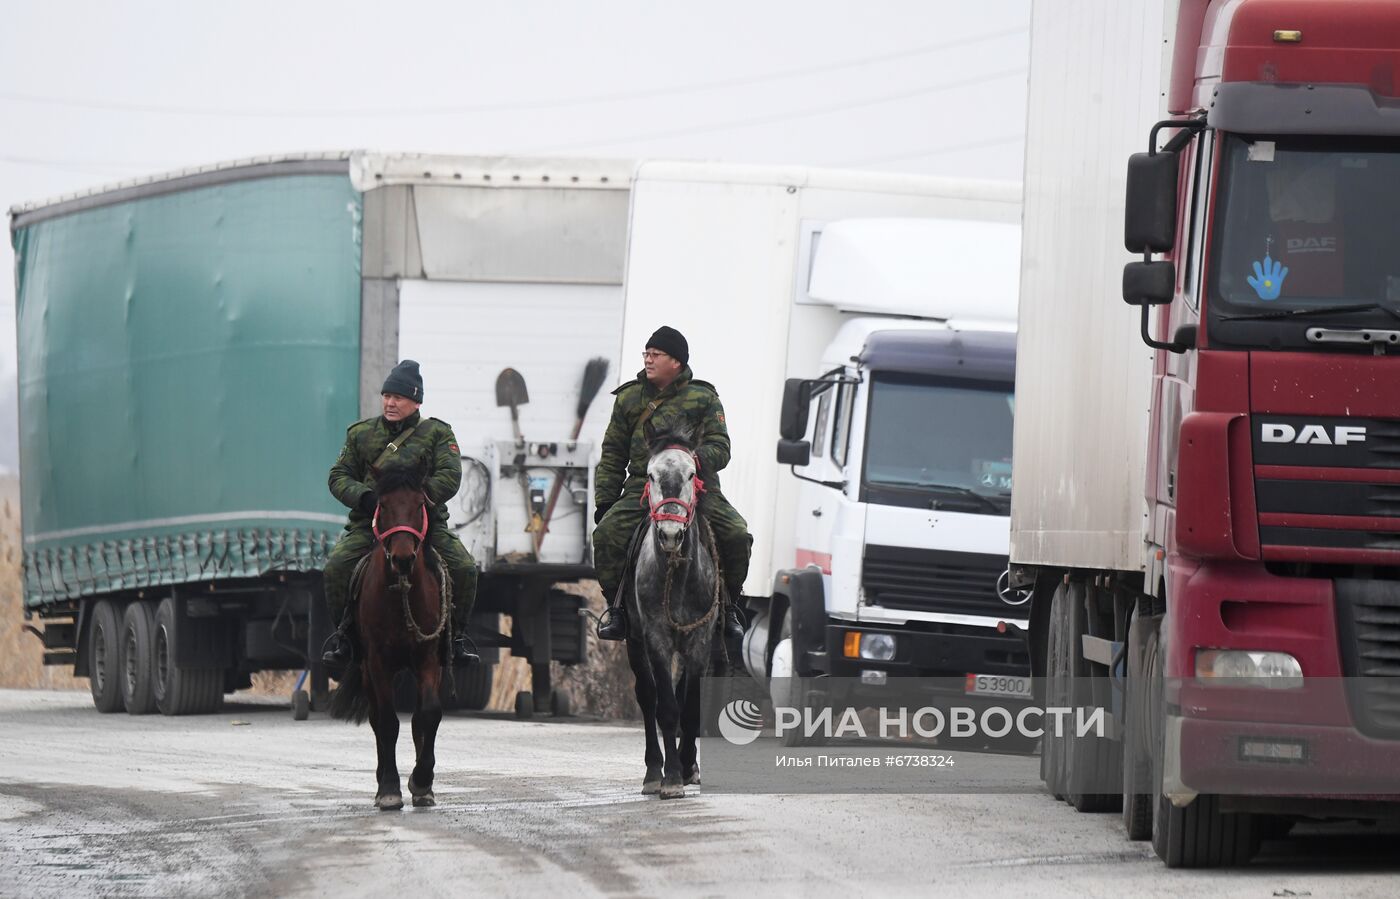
400, 477
676, 437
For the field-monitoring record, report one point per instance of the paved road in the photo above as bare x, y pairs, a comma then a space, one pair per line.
249, 802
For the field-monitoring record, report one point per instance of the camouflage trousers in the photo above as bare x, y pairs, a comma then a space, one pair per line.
614, 532
358, 538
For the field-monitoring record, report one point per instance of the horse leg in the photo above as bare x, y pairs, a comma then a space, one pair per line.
690, 725
668, 720
645, 687
385, 722
426, 719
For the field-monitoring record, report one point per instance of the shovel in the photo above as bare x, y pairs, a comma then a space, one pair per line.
594, 373
510, 391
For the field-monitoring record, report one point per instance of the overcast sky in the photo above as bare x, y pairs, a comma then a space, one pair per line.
97, 92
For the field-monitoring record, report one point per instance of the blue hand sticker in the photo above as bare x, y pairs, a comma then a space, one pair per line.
1267, 279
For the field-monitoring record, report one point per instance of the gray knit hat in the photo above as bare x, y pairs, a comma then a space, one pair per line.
405, 381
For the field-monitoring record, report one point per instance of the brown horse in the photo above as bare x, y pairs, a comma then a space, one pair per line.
401, 614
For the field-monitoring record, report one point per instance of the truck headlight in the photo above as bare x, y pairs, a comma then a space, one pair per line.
1239, 668
877, 647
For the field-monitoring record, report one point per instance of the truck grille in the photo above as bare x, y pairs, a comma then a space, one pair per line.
1368, 624
1356, 504
927, 580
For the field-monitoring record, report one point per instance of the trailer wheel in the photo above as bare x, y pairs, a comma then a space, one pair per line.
137, 659
103, 647
1199, 835
524, 705
301, 705
474, 686
180, 690
1091, 762
1052, 751
1137, 764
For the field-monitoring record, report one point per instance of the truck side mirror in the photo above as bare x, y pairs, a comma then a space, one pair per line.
794, 452
1149, 283
1149, 224
797, 401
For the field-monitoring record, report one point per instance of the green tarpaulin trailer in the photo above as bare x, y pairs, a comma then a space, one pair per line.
192, 348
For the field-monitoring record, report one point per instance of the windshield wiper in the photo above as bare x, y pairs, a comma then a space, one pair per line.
1313, 310
987, 502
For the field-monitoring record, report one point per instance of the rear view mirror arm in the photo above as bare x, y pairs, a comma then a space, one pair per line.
835, 485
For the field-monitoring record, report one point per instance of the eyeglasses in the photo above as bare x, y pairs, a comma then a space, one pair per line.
650, 355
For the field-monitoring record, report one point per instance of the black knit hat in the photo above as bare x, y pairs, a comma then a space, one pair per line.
671, 342
405, 381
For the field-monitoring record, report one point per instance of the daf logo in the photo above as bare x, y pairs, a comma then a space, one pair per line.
1338, 436
1012, 596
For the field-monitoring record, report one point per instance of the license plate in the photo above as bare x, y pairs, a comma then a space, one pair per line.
998, 685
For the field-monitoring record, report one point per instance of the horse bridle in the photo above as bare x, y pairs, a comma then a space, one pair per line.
655, 508
420, 535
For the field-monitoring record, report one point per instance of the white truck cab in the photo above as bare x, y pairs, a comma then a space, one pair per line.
901, 443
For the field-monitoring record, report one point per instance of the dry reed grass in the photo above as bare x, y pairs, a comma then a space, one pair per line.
21, 653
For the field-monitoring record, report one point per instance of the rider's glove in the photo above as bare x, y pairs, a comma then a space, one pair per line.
599, 512
369, 502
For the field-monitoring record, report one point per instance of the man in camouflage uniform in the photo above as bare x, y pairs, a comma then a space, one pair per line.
352, 483
663, 397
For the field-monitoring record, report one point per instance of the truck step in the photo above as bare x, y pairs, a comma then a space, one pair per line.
1097, 649
61, 657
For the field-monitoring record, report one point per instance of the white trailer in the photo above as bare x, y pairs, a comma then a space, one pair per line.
482, 265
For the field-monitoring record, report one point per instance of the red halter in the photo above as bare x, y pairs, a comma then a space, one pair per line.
421, 533
689, 507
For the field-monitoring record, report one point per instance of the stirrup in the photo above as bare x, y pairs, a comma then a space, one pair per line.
464, 652
612, 624
338, 650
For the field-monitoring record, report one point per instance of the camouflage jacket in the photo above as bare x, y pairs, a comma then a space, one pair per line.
350, 476
685, 403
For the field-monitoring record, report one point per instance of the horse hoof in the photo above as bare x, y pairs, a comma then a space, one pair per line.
672, 791
417, 791
651, 787
693, 776
388, 802
424, 800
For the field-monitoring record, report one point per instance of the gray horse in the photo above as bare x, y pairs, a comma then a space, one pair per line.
675, 613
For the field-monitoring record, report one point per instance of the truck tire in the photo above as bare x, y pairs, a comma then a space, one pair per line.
1138, 799
1092, 763
1052, 752
1199, 835
103, 649
137, 659
790, 690
179, 690
474, 686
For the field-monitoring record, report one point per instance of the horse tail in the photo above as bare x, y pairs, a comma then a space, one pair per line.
350, 701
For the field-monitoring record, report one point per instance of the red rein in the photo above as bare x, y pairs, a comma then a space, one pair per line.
689, 507
421, 533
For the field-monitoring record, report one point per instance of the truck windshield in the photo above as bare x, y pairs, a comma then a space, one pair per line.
940, 443
1304, 237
